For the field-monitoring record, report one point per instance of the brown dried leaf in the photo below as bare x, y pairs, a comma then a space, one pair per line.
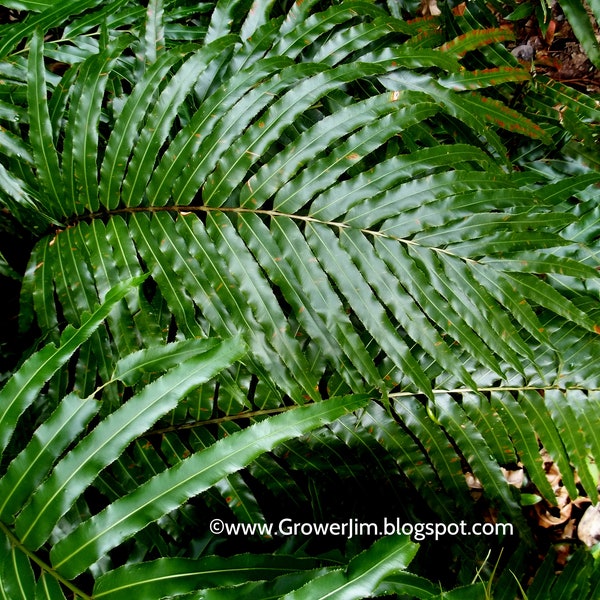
515, 477
588, 530
473, 482
430, 8
546, 518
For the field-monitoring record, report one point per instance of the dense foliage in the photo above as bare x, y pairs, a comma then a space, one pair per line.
314, 261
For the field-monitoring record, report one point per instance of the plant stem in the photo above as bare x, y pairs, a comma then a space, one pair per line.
40, 563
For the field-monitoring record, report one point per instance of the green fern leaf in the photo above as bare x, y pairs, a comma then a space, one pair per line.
109, 438
16, 574
177, 576
364, 572
375, 206
22, 388
167, 490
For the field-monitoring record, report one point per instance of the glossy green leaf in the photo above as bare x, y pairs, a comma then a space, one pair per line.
48, 588
27, 470
179, 303
161, 117
34, 5
574, 443
511, 296
321, 174
530, 262
364, 572
556, 92
260, 590
106, 274
473, 80
538, 413
309, 28
169, 489
19, 199
544, 295
572, 585
320, 136
108, 439
429, 299
498, 114
176, 576
584, 407
257, 139
406, 312
498, 332
287, 259
221, 135
154, 35
22, 388
40, 127
583, 27
125, 133
408, 584
420, 193
144, 363
375, 204
525, 441
410, 456
263, 303
184, 147
388, 174
475, 39
80, 154
487, 421
436, 445
477, 453
13, 146
349, 40
411, 57
52, 16
16, 575
348, 279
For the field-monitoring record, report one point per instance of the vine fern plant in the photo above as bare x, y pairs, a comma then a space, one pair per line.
306, 217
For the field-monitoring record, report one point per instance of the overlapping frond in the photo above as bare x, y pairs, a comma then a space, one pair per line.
338, 189
282, 186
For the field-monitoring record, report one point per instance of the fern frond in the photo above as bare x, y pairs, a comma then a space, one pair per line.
352, 252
